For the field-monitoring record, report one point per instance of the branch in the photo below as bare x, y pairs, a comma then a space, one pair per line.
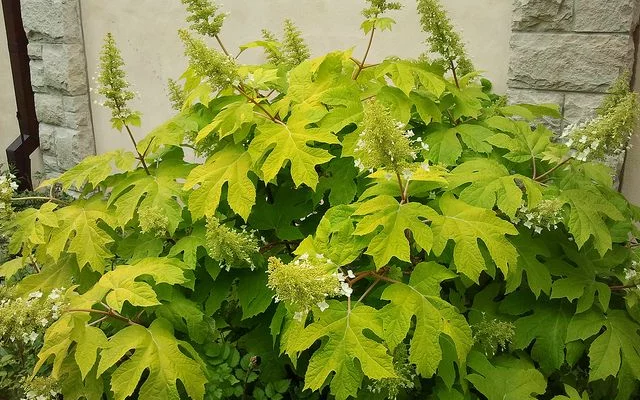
533, 166
622, 287
34, 263
270, 246
403, 189
366, 54
373, 274
135, 146
552, 170
224, 49
455, 75
358, 63
43, 198
254, 101
369, 289
108, 314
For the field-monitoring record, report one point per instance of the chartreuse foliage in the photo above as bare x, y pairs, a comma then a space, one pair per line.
351, 230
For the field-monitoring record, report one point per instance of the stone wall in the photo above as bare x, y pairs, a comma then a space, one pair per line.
568, 52
59, 79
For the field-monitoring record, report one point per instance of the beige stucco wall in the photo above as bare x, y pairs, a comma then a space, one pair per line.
146, 32
8, 122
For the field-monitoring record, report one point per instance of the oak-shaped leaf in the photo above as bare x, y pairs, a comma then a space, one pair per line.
12, 267
587, 218
532, 111
423, 180
345, 337
59, 274
505, 377
322, 82
532, 255
81, 232
228, 168
279, 143
617, 348
394, 219
445, 144
189, 245
404, 74
30, 227
94, 170
434, 318
71, 328
577, 280
488, 183
339, 180
123, 284
465, 225
189, 121
158, 191
334, 238
282, 213
523, 143
156, 350
229, 120
75, 386
547, 328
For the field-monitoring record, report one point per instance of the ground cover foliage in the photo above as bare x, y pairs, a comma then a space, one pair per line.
350, 230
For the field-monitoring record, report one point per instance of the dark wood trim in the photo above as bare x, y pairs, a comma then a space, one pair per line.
28, 140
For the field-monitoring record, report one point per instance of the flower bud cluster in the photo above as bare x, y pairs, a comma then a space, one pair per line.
609, 133
405, 371
231, 248
8, 186
379, 7
41, 388
218, 69
24, 319
295, 49
383, 143
274, 56
153, 220
306, 282
176, 94
113, 84
546, 215
204, 17
443, 39
493, 335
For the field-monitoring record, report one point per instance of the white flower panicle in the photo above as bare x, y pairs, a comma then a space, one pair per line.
546, 215
307, 282
609, 133
153, 220
24, 319
230, 247
385, 143
8, 187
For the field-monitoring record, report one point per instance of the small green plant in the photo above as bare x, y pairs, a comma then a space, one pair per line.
354, 230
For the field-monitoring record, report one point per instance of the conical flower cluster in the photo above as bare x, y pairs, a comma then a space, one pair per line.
383, 143
609, 133
231, 248
114, 87
305, 282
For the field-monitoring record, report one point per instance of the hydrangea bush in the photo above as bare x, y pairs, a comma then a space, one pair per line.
354, 230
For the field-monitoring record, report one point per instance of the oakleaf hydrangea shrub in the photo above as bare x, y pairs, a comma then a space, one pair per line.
353, 230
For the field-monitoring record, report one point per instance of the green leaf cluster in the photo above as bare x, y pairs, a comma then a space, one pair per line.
278, 266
